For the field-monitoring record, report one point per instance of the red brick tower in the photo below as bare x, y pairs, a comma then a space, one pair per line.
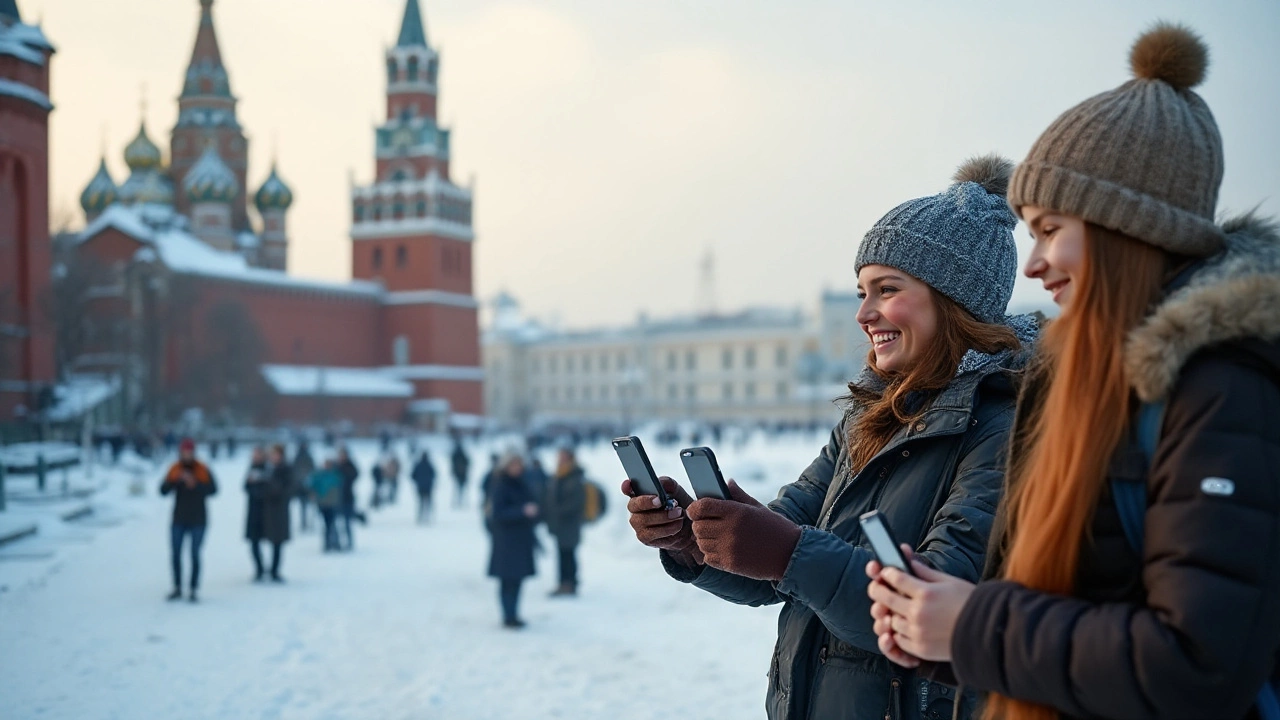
26, 334
411, 229
207, 110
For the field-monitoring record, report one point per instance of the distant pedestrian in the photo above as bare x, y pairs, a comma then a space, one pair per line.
512, 513
269, 485
563, 508
486, 484
326, 485
537, 477
391, 477
347, 469
424, 479
461, 465
303, 467
191, 482
379, 479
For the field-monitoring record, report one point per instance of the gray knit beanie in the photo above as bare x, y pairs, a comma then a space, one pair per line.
959, 242
1144, 159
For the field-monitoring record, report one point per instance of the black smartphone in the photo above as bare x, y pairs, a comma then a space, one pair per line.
704, 473
883, 543
639, 470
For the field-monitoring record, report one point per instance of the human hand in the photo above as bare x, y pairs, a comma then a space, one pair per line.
917, 614
742, 536
881, 625
657, 526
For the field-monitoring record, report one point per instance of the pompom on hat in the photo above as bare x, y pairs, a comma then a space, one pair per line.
1144, 159
959, 242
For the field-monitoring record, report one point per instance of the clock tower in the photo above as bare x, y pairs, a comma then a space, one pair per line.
411, 230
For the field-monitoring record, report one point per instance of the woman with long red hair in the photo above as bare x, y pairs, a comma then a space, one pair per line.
1134, 570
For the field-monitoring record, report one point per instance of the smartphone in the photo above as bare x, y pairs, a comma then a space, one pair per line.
639, 470
883, 543
704, 473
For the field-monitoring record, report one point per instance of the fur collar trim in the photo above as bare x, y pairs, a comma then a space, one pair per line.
1233, 296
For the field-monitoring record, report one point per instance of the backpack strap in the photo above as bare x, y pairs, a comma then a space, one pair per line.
1131, 495
1131, 504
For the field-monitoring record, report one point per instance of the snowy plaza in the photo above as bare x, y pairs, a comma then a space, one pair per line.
406, 626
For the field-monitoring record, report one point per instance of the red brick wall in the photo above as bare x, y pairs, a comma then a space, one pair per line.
431, 262
361, 411
438, 334
463, 397
24, 233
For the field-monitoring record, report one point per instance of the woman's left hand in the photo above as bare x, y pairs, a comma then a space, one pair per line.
921, 611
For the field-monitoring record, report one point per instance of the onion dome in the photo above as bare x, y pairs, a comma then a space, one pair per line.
274, 194
210, 180
142, 154
100, 192
147, 186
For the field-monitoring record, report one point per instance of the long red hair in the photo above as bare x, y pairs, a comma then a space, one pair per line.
1057, 476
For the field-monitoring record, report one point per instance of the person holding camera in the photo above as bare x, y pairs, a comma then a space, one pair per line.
190, 482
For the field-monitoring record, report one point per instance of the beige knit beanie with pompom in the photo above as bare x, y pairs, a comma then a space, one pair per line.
1144, 159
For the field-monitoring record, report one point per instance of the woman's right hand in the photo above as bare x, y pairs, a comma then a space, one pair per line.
662, 528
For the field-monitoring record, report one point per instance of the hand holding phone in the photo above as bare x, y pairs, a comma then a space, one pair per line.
704, 473
883, 543
635, 461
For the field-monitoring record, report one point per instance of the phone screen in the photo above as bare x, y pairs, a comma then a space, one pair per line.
636, 462
883, 544
704, 473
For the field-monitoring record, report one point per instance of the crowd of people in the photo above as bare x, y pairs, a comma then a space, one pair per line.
1076, 500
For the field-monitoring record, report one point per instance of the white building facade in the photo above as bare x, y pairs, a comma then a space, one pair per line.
758, 366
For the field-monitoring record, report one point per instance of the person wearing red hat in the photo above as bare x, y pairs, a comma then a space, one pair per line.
191, 482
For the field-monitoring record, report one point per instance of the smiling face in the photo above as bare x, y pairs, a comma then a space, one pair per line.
1058, 258
898, 314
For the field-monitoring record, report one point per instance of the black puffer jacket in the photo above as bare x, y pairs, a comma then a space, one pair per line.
938, 481
1192, 629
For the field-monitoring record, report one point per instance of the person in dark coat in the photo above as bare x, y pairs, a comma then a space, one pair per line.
424, 479
303, 467
1096, 603
269, 485
922, 441
347, 469
460, 463
537, 477
326, 485
512, 511
379, 482
190, 482
563, 509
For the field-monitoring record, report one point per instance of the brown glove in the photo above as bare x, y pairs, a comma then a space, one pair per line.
658, 527
742, 536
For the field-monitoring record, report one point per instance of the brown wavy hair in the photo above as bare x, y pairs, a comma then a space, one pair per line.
902, 401
1059, 463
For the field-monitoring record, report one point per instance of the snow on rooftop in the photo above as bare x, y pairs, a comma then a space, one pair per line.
184, 253
336, 381
80, 394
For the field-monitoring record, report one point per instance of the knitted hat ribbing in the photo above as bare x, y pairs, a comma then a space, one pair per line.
959, 242
1144, 159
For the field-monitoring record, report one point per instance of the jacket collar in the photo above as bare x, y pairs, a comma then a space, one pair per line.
1232, 296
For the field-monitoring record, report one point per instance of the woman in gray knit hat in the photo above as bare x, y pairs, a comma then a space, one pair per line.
1136, 570
922, 441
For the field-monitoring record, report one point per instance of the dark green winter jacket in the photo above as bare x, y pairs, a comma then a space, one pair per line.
938, 482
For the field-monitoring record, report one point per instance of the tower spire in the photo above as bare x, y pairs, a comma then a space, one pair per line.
206, 49
412, 29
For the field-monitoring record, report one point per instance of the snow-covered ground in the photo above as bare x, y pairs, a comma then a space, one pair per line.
407, 626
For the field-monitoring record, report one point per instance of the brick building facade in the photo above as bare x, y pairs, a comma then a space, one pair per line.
188, 306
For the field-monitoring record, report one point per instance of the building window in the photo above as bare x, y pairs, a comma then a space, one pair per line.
402, 256
391, 70
377, 258
586, 363
690, 360
781, 357
782, 391
727, 392
554, 395
397, 209
726, 358
586, 394
604, 362
568, 394
672, 392
622, 361
552, 364
568, 364
359, 213
377, 212
413, 69
421, 208
749, 358
534, 365
691, 392
751, 391
604, 393
400, 351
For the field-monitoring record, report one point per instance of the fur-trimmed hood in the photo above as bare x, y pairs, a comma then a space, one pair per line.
1234, 295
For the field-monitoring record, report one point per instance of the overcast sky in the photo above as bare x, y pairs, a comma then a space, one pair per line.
613, 143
